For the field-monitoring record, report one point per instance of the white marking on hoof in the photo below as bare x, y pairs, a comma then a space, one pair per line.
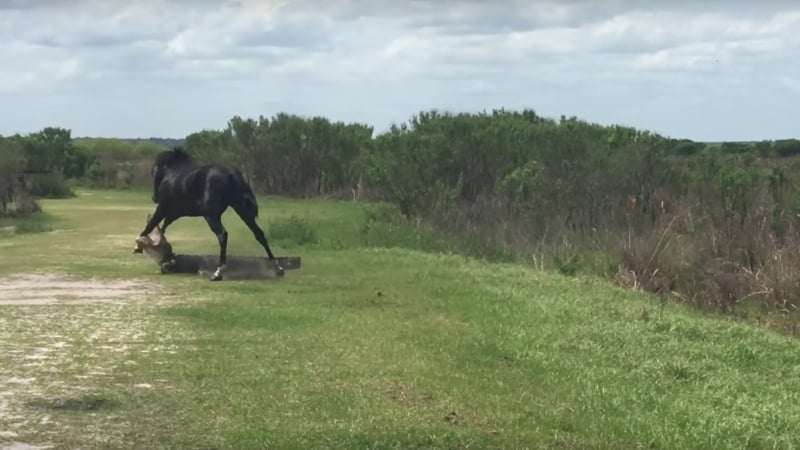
218, 274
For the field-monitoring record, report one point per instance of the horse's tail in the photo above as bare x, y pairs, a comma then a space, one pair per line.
247, 204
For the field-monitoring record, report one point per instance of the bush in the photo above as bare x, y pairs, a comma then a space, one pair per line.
688, 148
787, 147
294, 230
568, 264
385, 226
37, 222
50, 186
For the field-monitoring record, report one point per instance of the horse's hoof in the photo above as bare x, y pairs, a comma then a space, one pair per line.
217, 274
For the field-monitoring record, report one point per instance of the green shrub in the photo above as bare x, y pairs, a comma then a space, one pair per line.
567, 264
37, 222
50, 186
294, 230
386, 226
787, 147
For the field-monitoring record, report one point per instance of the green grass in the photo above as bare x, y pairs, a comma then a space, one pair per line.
34, 223
369, 346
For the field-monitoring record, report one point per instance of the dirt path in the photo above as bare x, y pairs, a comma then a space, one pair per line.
65, 341
48, 289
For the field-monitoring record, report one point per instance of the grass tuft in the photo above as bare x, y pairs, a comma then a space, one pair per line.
293, 231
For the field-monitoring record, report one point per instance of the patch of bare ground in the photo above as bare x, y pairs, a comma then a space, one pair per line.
69, 345
48, 289
406, 393
8, 230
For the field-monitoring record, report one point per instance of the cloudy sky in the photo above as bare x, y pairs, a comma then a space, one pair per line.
711, 70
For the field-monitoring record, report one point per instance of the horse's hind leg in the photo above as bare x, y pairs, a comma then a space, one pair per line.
215, 223
258, 233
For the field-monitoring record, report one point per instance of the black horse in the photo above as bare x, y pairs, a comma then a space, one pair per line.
181, 188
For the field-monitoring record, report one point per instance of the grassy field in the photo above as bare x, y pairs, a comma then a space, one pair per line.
364, 347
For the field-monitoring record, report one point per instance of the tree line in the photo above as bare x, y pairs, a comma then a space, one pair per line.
566, 167
287, 154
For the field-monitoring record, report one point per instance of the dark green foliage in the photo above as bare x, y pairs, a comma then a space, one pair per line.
44, 163
733, 183
569, 172
787, 147
76, 162
12, 163
49, 154
567, 264
116, 162
764, 149
94, 173
47, 150
287, 154
49, 186
685, 147
210, 145
734, 147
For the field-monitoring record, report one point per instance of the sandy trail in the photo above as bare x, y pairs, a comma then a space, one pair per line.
67, 338
48, 289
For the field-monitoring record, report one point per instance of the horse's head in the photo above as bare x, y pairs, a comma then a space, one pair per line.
155, 245
167, 162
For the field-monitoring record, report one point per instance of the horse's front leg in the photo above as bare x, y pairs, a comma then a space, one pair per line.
157, 216
215, 223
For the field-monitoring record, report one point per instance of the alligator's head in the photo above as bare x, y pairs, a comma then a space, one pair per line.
156, 246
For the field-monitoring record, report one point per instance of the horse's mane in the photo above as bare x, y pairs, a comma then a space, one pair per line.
174, 158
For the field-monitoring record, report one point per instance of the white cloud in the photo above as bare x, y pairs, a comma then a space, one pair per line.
65, 69
790, 82
193, 64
